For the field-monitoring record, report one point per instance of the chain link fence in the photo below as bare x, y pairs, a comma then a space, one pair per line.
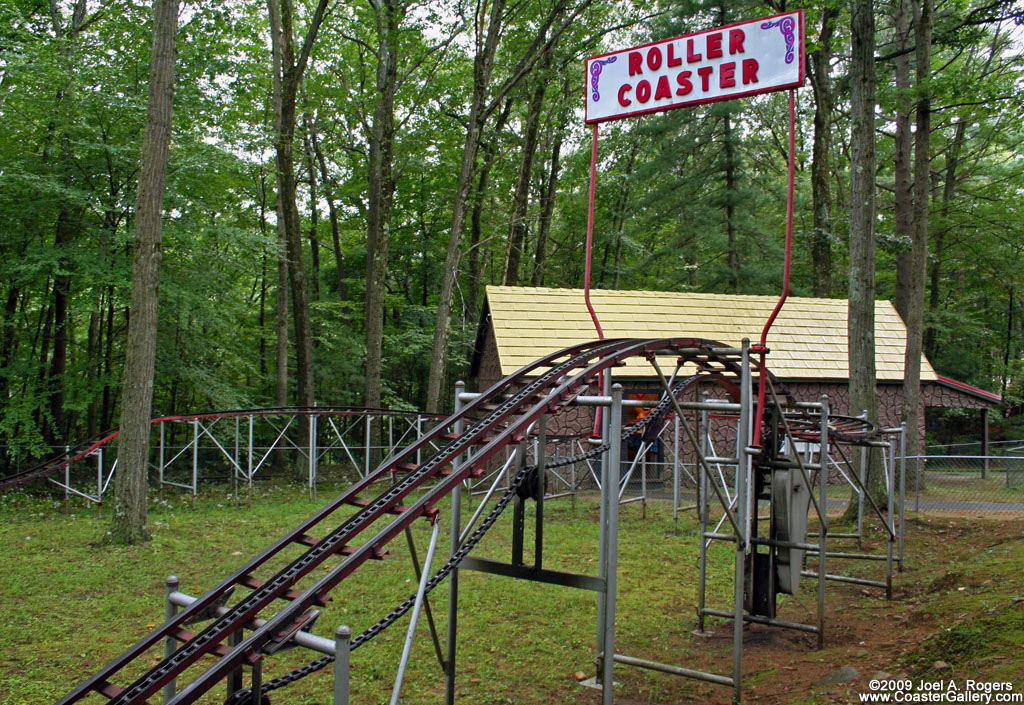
957, 478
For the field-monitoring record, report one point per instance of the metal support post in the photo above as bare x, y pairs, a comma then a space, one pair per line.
862, 473
643, 480
234, 468
67, 479
257, 682
823, 518
419, 434
342, 658
369, 437
99, 481
675, 477
518, 508
234, 680
312, 456
702, 508
160, 468
170, 609
890, 471
417, 606
743, 438
608, 496
453, 578
249, 461
903, 488
917, 482
195, 459
611, 546
542, 449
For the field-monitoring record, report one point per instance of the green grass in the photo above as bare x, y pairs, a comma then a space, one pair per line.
71, 604
969, 488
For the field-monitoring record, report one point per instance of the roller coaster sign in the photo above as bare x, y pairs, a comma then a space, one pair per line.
742, 59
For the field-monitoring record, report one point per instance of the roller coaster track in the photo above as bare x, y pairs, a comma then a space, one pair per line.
61, 461
498, 418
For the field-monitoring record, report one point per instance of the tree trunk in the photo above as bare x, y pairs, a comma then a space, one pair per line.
547, 201
730, 205
288, 71
281, 320
314, 220
325, 181
482, 66
903, 197
948, 194
107, 412
863, 386
381, 193
66, 226
61, 297
480, 110
130, 522
521, 199
476, 267
919, 245
821, 194
93, 354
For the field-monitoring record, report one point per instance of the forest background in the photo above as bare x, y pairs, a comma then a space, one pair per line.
439, 146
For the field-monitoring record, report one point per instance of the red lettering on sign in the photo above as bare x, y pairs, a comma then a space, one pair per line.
643, 91
690, 56
623, 90
736, 38
749, 71
683, 79
673, 60
727, 75
636, 63
662, 91
654, 58
705, 76
714, 45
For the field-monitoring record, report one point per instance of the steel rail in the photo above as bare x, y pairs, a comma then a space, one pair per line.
508, 420
291, 613
559, 392
100, 681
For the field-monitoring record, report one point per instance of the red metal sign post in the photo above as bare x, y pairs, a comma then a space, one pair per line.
733, 61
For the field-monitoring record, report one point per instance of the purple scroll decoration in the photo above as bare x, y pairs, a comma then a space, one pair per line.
595, 73
787, 26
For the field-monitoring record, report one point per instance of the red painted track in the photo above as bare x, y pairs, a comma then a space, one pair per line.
505, 412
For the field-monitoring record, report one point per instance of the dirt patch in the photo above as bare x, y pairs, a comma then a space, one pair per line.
941, 613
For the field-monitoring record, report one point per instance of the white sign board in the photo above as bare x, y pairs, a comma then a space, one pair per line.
737, 60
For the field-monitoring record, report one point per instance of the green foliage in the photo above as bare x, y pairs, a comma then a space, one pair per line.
692, 199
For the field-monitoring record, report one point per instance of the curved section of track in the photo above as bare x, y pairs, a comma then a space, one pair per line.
498, 418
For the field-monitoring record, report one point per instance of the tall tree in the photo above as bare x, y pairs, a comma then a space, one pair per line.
863, 390
521, 199
388, 15
129, 522
819, 65
288, 71
488, 26
919, 243
903, 196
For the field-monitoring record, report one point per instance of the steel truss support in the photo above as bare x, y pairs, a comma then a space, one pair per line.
238, 448
892, 442
744, 524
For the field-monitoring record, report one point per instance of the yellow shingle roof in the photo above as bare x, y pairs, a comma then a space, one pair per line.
807, 341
